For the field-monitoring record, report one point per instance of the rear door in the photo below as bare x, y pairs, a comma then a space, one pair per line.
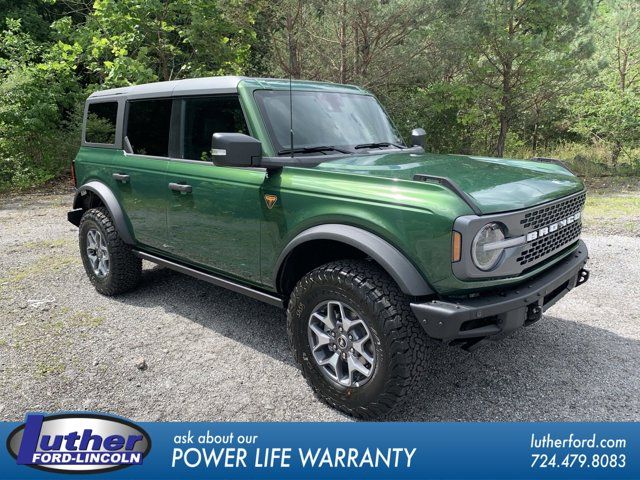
102, 129
213, 214
140, 176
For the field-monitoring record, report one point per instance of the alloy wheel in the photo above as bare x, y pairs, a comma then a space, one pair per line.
341, 344
97, 253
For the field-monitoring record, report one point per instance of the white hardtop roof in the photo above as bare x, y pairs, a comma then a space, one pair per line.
227, 84
209, 86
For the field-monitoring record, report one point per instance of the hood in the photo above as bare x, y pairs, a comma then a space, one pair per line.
496, 184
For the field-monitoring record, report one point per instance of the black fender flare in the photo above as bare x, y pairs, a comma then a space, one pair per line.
110, 201
386, 255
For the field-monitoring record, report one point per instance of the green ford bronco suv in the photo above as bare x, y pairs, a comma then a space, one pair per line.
304, 196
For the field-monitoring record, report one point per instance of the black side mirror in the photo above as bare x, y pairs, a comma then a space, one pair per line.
418, 137
235, 150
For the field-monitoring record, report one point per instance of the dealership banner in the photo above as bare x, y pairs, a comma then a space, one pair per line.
95, 445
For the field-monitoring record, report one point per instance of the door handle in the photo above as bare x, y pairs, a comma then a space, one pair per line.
179, 187
121, 177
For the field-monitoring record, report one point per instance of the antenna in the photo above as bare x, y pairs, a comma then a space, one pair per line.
290, 73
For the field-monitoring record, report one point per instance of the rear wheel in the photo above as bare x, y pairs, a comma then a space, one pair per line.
352, 332
110, 264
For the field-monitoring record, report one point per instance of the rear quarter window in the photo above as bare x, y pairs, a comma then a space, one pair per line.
101, 123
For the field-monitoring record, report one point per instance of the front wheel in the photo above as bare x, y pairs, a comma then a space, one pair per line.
110, 264
352, 332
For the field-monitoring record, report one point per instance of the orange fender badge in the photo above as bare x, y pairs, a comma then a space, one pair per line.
270, 200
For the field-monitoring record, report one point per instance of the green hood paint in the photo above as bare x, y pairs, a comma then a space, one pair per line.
496, 184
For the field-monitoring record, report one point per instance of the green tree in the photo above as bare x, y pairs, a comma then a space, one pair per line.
519, 48
480, 76
610, 109
375, 44
34, 15
38, 97
137, 41
80, 46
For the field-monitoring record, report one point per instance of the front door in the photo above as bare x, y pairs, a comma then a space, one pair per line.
213, 212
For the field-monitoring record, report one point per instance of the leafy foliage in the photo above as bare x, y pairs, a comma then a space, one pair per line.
610, 111
513, 77
45, 75
38, 104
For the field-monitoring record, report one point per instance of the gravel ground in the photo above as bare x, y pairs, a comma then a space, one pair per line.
181, 349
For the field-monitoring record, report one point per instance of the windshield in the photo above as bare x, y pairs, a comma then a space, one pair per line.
325, 119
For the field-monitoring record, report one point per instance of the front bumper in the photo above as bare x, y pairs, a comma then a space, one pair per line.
471, 320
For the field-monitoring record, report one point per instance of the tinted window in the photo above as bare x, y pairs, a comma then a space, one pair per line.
205, 116
101, 123
148, 127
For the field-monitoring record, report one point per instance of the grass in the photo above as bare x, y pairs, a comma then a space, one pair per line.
85, 319
53, 366
47, 341
608, 211
612, 206
44, 244
40, 266
62, 324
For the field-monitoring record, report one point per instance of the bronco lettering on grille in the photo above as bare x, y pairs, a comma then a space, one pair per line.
531, 236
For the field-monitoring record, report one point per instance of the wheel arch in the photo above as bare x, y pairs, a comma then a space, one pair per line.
93, 194
356, 241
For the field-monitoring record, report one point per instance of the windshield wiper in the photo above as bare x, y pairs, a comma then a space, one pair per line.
319, 148
377, 145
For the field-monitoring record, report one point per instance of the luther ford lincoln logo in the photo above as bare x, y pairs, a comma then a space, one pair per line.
78, 443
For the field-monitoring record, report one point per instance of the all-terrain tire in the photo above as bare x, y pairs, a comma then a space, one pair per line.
125, 269
400, 342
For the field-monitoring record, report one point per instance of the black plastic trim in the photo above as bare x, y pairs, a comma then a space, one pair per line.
555, 161
111, 202
74, 216
213, 279
443, 319
451, 185
390, 258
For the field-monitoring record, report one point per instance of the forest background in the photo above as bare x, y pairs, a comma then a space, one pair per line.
512, 78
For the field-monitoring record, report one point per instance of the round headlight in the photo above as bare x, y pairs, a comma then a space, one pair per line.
485, 255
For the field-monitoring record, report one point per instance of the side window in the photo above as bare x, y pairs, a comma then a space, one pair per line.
101, 123
208, 115
148, 124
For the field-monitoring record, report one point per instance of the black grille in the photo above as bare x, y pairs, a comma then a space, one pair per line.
553, 213
549, 243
